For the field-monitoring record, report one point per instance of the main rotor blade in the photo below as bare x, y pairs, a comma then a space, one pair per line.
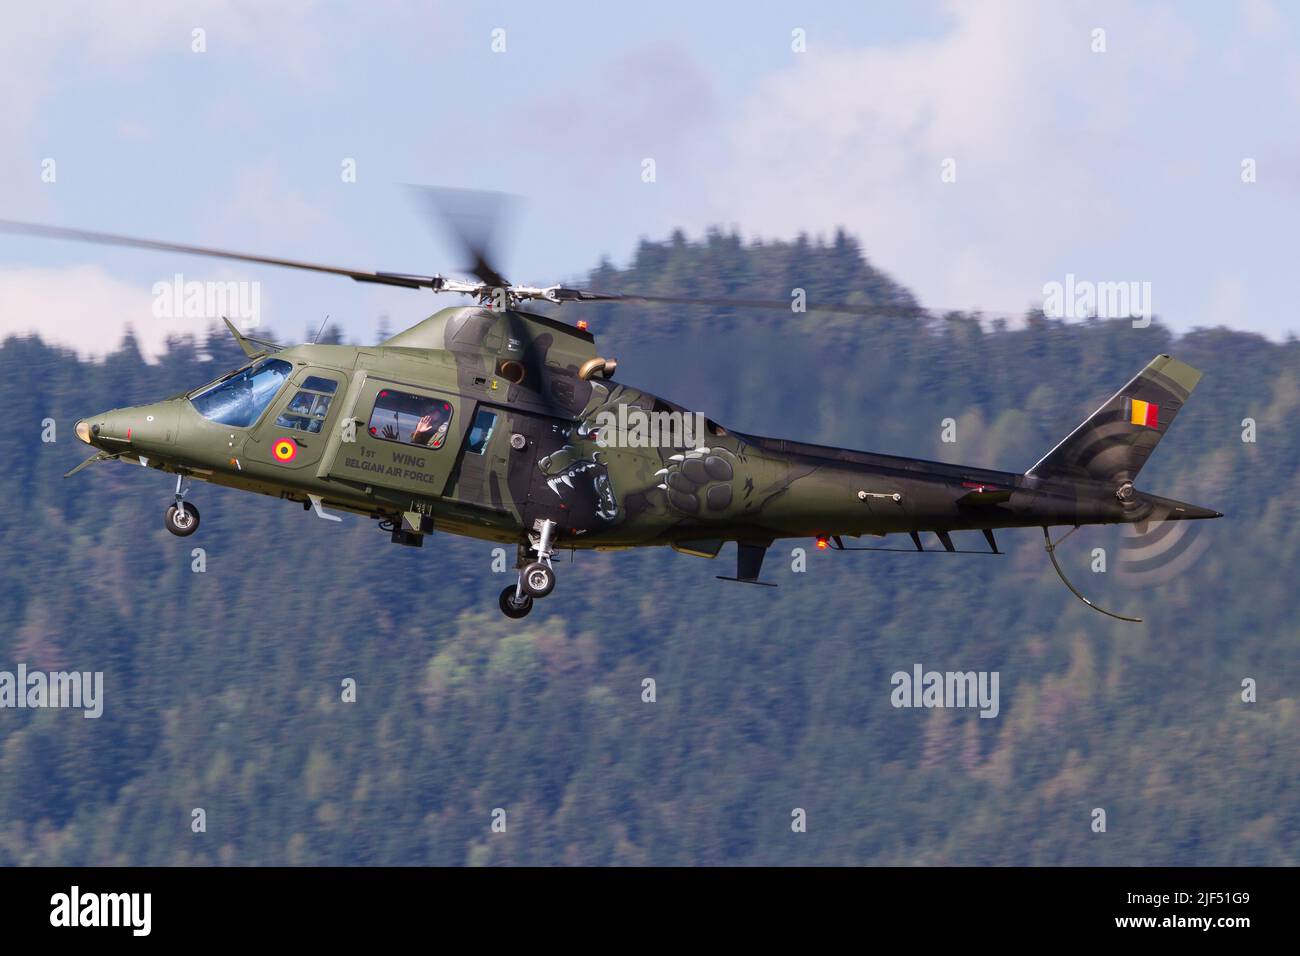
588, 295
110, 239
469, 217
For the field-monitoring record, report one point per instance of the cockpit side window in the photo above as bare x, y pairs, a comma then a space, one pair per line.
240, 399
308, 409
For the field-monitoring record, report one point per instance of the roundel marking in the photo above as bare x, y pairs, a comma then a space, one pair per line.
284, 450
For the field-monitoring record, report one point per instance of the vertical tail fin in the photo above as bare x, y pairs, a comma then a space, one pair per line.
1114, 442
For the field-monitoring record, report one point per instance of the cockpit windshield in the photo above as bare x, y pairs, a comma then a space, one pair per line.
240, 399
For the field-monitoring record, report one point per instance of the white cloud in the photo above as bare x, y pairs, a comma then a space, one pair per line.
84, 308
1067, 160
261, 201
654, 96
859, 139
1227, 303
288, 39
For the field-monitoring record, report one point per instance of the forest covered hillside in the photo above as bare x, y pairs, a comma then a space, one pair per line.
223, 688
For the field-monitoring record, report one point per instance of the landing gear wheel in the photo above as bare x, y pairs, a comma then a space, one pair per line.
512, 609
538, 579
182, 520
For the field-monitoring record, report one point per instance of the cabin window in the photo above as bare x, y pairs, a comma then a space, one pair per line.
240, 399
481, 432
308, 409
410, 419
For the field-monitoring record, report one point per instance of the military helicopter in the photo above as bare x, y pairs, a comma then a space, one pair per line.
490, 421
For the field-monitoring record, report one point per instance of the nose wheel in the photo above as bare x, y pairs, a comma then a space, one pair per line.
182, 518
514, 606
536, 578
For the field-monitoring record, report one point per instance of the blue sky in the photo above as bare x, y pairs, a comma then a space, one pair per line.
1111, 166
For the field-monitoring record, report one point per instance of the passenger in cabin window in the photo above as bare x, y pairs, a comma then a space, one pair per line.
411, 419
426, 432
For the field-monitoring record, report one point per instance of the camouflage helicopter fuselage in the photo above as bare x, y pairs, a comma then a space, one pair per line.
525, 439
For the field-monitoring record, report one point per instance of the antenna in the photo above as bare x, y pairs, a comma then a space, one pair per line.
321, 329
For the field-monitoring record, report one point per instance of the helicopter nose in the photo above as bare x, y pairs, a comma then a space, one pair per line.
107, 430
141, 427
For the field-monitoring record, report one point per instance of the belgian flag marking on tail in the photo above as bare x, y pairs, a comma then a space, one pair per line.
1144, 413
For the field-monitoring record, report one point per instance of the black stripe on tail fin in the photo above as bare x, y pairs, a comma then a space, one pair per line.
1115, 441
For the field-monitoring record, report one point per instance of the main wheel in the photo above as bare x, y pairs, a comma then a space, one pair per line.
182, 521
539, 579
512, 609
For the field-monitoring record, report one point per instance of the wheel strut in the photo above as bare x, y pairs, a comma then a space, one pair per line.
537, 578
545, 540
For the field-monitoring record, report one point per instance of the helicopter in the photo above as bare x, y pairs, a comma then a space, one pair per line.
490, 421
